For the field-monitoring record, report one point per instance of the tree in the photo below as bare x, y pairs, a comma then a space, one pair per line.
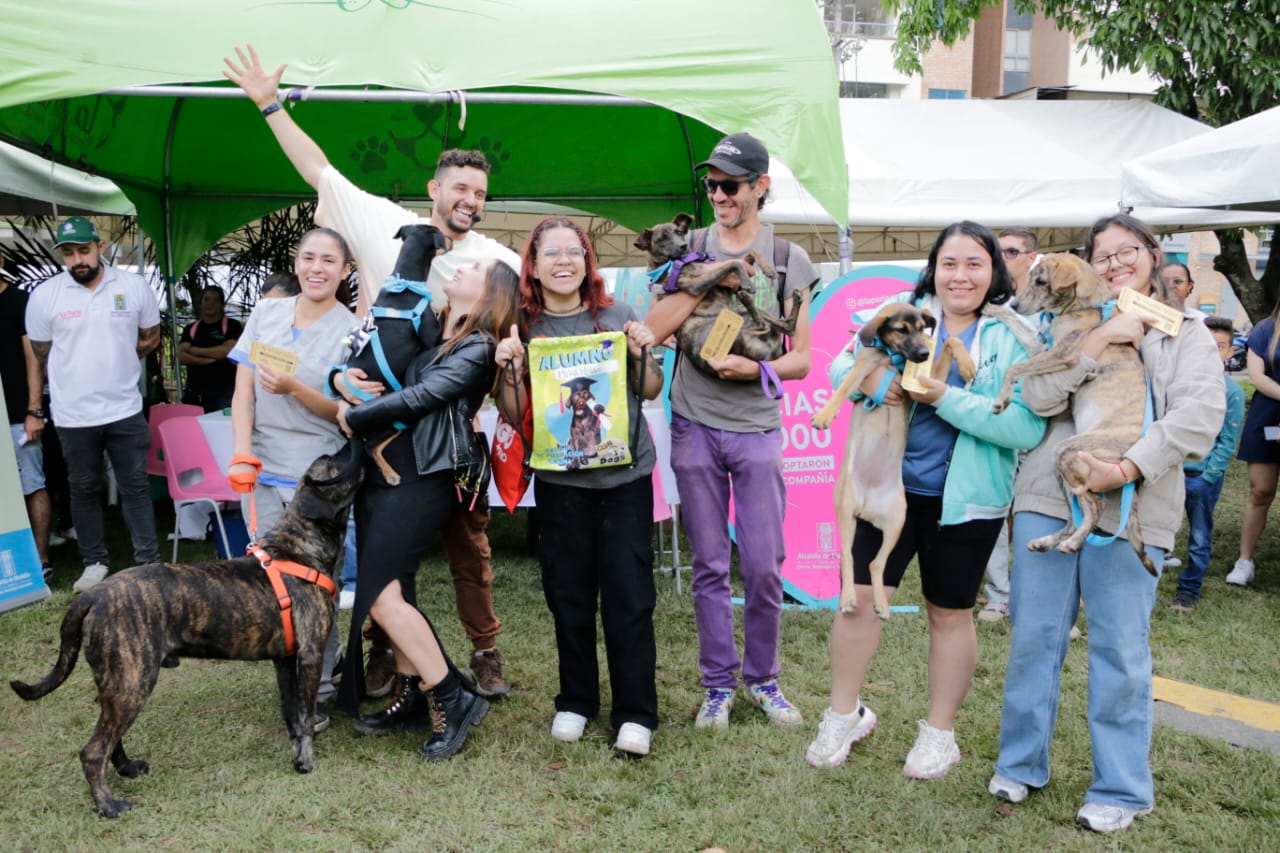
1214, 61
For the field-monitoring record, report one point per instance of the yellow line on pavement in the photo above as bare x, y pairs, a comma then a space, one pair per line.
1216, 703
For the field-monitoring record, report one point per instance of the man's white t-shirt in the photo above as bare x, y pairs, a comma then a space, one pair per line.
369, 223
93, 362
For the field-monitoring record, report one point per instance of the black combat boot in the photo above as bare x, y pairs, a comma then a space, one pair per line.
408, 710
454, 709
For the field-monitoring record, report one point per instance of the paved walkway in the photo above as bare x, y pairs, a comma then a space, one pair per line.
1238, 720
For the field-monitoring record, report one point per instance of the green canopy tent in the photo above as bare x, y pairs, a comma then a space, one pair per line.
604, 107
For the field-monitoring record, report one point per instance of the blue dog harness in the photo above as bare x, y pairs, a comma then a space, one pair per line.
897, 363
674, 267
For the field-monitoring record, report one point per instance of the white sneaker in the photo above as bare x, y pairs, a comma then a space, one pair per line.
1242, 573
91, 577
1103, 818
56, 541
347, 598
994, 611
1007, 789
934, 753
837, 733
568, 726
633, 738
1172, 563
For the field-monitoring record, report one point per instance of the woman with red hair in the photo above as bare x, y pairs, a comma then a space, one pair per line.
595, 521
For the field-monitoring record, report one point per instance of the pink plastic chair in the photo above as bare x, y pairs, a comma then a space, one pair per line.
160, 413
193, 474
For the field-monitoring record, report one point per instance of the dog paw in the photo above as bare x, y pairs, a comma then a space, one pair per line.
1041, 545
848, 603
133, 769
999, 406
113, 807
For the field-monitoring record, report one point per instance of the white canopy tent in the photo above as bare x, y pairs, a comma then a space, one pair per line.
916, 166
1236, 167
32, 186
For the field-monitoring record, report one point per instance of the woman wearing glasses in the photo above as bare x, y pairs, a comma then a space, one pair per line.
1184, 377
596, 524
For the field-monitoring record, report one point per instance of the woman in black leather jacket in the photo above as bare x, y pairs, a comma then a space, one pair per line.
396, 524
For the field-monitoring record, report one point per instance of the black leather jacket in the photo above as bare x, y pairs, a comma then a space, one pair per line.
440, 403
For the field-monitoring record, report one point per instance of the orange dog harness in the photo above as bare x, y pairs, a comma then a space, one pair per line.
274, 569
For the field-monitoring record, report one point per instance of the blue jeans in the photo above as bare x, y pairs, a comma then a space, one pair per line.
1045, 594
349, 554
1201, 500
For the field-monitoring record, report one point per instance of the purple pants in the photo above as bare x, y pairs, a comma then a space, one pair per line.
706, 461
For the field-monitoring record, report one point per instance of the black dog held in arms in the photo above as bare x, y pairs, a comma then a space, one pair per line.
400, 325
226, 610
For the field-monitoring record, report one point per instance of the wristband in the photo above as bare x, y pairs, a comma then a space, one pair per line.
270, 108
1124, 478
35, 413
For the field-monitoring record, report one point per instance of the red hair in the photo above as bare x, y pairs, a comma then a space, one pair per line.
592, 290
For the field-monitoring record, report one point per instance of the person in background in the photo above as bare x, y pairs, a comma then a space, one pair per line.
1205, 476
957, 472
1019, 247
22, 379
1185, 379
285, 420
726, 429
596, 524
458, 190
205, 345
90, 327
278, 285
1179, 284
1256, 447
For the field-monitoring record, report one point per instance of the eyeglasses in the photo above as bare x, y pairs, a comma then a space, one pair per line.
1011, 254
551, 252
1126, 256
1177, 281
729, 186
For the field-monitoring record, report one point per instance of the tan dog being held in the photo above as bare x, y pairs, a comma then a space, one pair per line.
225, 610
870, 483
760, 337
1108, 417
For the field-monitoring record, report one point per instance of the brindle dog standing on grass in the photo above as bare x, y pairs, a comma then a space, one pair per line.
133, 620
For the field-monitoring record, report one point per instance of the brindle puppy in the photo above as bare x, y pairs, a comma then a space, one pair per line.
133, 620
761, 335
584, 428
1107, 419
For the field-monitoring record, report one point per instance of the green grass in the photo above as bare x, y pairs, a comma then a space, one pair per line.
221, 777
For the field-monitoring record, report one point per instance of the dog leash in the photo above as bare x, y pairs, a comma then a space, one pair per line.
897, 363
1126, 493
674, 267
274, 569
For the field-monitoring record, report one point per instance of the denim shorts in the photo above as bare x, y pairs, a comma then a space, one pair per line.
30, 461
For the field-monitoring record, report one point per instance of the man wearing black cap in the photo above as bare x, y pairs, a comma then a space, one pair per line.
727, 427
90, 327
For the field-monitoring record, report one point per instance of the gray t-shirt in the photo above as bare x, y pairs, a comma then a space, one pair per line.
287, 436
729, 404
610, 319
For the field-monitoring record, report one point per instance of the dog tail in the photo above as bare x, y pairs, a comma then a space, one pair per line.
72, 632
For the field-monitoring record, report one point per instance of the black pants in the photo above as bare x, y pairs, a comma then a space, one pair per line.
394, 528
596, 544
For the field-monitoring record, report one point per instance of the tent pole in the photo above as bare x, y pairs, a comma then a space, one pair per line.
398, 96
166, 218
845, 242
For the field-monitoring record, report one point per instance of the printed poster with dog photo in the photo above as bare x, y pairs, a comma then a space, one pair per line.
580, 404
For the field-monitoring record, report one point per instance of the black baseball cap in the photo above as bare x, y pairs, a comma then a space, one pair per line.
738, 154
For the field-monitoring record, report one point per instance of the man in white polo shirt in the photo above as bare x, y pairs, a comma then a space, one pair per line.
90, 326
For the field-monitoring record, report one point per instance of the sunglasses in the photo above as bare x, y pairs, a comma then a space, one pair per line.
729, 186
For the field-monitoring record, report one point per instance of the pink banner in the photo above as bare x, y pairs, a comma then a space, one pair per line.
811, 458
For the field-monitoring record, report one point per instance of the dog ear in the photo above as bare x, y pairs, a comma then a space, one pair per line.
867, 334
645, 241
930, 322
402, 232
1064, 273
683, 221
